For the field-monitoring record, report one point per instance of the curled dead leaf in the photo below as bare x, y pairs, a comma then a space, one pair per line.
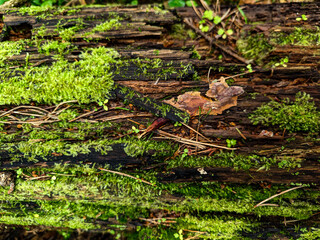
194, 103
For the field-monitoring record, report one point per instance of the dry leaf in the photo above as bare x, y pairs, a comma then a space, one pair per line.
193, 103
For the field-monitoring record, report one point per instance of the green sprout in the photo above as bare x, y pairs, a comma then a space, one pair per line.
303, 17
231, 142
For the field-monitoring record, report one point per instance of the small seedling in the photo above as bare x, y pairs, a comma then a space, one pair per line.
282, 62
177, 124
185, 153
105, 107
303, 17
135, 129
249, 67
231, 142
224, 33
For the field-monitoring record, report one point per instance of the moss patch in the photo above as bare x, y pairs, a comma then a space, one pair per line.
88, 80
254, 47
83, 197
233, 160
9, 49
298, 116
300, 37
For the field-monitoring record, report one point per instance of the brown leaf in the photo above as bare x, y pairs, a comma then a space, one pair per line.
225, 96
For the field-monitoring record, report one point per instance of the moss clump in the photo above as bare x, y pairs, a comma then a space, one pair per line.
155, 69
178, 31
88, 80
45, 12
298, 116
254, 47
111, 24
236, 161
9, 49
300, 37
312, 234
55, 47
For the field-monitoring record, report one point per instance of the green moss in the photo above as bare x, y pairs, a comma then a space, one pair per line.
154, 69
254, 47
9, 49
56, 47
236, 161
298, 116
312, 234
71, 139
300, 37
82, 197
112, 24
217, 227
179, 31
45, 12
35, 10
88, 80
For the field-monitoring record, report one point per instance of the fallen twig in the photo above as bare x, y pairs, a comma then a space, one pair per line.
241, 134
276, 195
127, 175
191, 142
213, 42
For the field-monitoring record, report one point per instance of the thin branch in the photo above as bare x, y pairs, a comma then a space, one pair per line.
83, 115
196, 132
241, 134
191, 142
125, 116
213, 42
60, 104
13, 109
127, 175
276, 195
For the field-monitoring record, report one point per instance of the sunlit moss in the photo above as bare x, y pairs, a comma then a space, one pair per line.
88, 80
236, 161
9, 49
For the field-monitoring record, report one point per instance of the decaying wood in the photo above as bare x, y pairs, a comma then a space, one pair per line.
144, 34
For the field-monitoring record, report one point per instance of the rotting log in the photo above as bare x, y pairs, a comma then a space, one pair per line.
144, 34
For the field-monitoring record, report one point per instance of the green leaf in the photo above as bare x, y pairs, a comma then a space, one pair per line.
46, 3
221, 31
298, 19
243, 15
204, 28
229, 32
176, 3
217, 20
208, 15
2, 1
189, 3
134, 2
304, 18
